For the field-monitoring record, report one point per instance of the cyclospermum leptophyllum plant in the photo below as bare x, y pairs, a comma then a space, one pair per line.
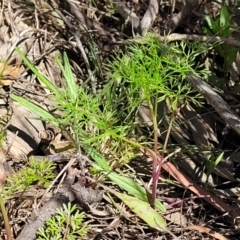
77, 108
67, 224
88, 119
154, 72
90, 126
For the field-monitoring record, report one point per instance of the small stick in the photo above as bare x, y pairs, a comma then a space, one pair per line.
221, 107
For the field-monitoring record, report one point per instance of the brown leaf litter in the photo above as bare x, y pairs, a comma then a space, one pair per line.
44, 29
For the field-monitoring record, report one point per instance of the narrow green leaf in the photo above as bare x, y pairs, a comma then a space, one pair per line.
231, 55
212, 24
224, 32
220, 50
219, 158
224, 17
67, 73
144, 211
70, 78
35, 109
133, 188
41, 78
207, 31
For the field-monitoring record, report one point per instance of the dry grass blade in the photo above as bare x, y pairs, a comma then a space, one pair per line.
208, 231
189, 184
149, 17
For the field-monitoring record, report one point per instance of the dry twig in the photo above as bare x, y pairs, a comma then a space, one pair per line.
149, 17
182, 15
127, 14
192, 37
221, 107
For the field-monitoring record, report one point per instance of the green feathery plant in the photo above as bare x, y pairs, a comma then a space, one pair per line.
93, 122
67, 224
80, 111
151, 72
37, 172
88, 119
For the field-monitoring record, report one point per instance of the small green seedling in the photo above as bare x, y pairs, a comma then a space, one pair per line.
221, 26
37, 172
212, 164
67, 224
155, 72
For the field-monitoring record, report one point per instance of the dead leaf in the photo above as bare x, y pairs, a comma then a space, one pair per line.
177, 218
86, 195
195, 188
22, 132
59, 146
8, 73
207, 231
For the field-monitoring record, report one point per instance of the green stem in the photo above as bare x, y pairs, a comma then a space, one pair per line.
168, 134
5, 219
155, 172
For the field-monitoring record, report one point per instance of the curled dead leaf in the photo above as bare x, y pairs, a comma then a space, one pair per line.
8, 73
